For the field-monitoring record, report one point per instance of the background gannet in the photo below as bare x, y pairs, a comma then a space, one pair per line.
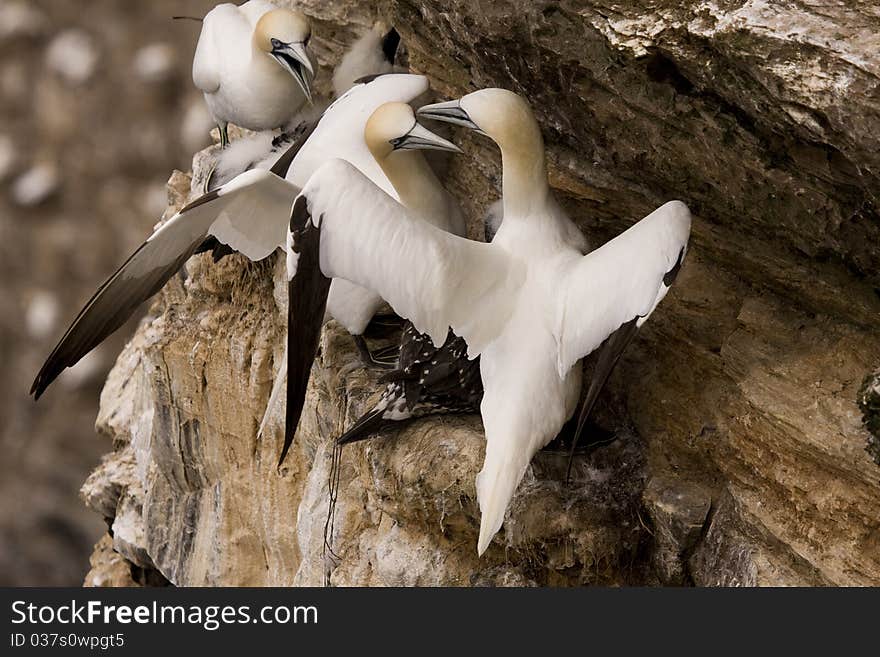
372, 54
253, 66
249, 214
529, 303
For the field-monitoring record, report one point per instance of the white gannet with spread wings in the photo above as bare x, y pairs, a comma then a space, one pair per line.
393, 138
253, 66
530, 304
250, 214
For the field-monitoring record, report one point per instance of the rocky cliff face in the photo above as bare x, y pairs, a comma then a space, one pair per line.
739, 453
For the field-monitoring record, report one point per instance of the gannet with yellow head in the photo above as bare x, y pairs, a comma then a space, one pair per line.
395, 141
530, 304
253, 65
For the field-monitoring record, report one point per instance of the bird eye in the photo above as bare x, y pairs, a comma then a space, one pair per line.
276, 43
306, 40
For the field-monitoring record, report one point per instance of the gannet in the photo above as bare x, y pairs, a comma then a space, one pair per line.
373, 53
253, 66
394, 139
370, 55
530, 304
249, 214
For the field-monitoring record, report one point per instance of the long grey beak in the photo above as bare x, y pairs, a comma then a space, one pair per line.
295, 59
419, 137
450, 112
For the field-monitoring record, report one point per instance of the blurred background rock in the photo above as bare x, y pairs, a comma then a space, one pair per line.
96, 108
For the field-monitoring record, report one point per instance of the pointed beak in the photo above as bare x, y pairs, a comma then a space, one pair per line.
450, 112
295, 59
419, 137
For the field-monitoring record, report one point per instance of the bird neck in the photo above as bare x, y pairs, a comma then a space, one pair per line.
524, 176
413, 180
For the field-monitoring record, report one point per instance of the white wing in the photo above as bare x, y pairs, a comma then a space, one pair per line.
345, 227
620, 282
251, 214
243, 214
435, 279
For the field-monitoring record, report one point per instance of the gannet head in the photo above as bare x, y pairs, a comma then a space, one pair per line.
284, 35
393, 127
501, 115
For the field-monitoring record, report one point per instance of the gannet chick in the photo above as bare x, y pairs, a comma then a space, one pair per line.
530, 304
427, 380
253, 66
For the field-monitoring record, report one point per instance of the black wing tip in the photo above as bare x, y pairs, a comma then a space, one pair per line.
45, 377
207, 197
307, 294
670, 276
346, 439
369, 78
390, 43
609, 353
354, 435
364, 428
37, 388
284, 450
301, 134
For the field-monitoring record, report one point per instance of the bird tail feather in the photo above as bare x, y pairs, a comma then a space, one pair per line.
496, 484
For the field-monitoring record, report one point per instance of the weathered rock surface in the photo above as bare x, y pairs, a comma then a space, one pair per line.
740, 453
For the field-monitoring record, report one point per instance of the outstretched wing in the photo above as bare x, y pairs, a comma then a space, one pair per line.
622, 280
249, 214
613, 290
434, 279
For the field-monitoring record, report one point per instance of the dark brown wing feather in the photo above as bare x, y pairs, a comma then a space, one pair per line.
116, 300
609, 354
301, 134
307, 299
